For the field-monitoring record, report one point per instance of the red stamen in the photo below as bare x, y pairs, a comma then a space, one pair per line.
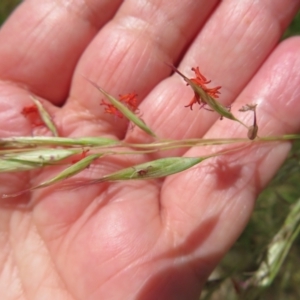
196, 99
111, 109
32, 114
201, 81
29, 109
129, 99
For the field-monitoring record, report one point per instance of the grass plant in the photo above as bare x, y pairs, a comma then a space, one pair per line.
263, 264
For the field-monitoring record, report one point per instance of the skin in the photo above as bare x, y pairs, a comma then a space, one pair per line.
143, 239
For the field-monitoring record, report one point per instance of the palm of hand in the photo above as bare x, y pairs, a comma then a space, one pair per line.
138, 240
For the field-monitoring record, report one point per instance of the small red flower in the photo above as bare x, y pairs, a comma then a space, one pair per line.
111, 109
201, 81
130, 100
32, 114
29, 109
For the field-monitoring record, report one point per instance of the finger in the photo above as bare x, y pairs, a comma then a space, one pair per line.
229, 50
42, 41
128, 54
222, 191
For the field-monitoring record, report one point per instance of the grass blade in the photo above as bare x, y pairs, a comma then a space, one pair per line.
70, 171
27, 141
278, 249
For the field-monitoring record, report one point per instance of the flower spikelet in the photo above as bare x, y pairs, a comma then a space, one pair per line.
201, 81
130, 100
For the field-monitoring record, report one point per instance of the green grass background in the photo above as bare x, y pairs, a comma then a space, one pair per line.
6, 7
272, 208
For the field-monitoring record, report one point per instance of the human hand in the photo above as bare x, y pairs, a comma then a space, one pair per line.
143, 239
